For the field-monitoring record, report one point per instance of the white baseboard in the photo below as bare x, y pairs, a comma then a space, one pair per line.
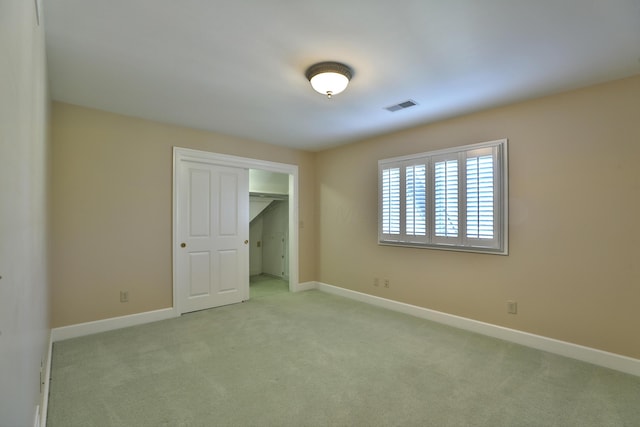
618, 362
82, 329
47, 381
586, 354
306, 286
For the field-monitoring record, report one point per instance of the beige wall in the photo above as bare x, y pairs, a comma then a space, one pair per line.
24, 159
111, 217
573, 202
574, 207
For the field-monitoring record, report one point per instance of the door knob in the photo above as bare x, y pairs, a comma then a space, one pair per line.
246, 242
183, 245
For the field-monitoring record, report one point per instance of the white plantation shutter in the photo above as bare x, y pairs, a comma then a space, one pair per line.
446, 195
448, 199
391, 201
415, 200
480, 196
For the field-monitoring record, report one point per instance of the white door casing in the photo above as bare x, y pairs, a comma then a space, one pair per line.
194, 273
212, 261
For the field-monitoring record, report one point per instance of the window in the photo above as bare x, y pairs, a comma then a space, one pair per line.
452, 199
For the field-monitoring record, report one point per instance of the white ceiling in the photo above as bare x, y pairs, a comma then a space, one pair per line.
237, 66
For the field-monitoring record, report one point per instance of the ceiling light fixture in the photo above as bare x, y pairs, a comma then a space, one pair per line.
329, 78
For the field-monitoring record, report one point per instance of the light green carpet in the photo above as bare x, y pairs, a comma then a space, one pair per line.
314, 359
263, 285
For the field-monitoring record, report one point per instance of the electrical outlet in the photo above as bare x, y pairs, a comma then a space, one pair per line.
386, 283
376, 282
512, 307
124, 296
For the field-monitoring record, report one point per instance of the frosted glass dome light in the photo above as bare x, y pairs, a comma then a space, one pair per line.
329, 78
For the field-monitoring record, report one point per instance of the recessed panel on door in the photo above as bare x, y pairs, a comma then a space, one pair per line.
199, 202
199, 274
227, 271
228, 220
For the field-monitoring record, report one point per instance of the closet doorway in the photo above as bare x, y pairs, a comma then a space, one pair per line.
268, 232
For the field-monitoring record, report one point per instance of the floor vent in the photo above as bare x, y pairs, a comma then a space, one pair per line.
401, 106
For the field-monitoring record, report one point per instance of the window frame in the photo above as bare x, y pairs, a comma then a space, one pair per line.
498, 149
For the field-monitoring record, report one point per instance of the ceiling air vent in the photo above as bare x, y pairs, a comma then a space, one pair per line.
401, 106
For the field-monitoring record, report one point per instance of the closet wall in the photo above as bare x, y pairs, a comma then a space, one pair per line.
268, 234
